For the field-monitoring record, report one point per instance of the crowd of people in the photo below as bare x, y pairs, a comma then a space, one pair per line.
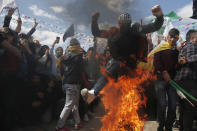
32, 76
41, 83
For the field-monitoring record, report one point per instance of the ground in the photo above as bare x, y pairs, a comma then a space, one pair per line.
93, 125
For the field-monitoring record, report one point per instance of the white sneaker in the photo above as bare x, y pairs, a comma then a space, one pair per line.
87, 95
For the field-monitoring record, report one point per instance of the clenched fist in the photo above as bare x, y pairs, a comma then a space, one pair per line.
95, 16
157, 11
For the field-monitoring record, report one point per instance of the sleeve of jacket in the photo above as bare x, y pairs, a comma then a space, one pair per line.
96, 32
191, 55
84, 75
31, 32
51, 52
7, 20
152, 27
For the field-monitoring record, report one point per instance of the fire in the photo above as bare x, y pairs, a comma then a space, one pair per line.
124, 100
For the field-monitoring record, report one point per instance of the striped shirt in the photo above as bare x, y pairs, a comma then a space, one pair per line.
188, 71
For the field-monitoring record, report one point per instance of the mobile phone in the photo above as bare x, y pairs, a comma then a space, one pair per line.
58, 39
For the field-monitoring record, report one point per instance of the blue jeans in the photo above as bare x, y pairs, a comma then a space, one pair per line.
163, 89
112, 70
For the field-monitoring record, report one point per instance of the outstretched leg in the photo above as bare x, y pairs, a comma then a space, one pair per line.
113, 69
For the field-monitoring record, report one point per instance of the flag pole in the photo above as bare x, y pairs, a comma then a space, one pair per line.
175, 85
18, 13
189, 102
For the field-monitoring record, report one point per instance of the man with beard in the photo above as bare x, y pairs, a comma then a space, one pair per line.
127, 45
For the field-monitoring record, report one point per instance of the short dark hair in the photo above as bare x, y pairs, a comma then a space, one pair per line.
173, 32
74, 42
58, 48
7, 31
190, 33
23, 36
90, 49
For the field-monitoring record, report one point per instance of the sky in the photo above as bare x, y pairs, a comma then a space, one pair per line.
55, 16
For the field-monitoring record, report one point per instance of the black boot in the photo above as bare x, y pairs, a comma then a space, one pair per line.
159, 128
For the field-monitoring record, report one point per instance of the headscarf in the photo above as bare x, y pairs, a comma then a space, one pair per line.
75, 49
161, 47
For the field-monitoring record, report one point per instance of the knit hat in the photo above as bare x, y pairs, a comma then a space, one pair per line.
74, 42
124, 18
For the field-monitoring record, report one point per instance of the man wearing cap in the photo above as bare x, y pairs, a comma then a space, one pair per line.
71, 69
127, 44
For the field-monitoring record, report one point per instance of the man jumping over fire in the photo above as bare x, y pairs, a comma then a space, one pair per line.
127, 45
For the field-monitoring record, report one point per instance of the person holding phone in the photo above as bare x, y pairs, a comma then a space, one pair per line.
57, 39
55, 56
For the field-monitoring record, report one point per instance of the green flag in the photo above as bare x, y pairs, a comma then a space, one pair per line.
172, 15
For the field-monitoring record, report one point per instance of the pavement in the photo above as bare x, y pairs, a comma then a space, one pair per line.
94, 124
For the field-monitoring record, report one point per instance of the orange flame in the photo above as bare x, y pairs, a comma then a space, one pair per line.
123, 100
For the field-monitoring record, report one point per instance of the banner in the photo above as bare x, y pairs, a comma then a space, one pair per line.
8, 4
69, 32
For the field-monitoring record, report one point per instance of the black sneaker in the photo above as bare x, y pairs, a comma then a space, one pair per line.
160, 129
168, 129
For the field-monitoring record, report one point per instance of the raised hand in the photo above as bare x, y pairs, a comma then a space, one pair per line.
166, 76
35, 23
11, 12
157, 11
182, 60
95, 16
19, 21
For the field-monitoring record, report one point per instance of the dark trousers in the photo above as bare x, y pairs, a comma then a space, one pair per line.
163, 89
189, 113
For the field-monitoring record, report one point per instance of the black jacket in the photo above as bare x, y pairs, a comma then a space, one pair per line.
6, 22
129, 45
72, 68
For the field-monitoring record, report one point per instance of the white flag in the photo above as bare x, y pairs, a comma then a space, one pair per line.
168, 25
7, 4
180, 94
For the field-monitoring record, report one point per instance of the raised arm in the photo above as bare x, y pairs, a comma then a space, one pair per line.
96, 32
156, 11
51, 51
8, 18
33, 29
19, 24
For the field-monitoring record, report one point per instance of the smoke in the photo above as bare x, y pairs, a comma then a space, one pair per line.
79, 11
117, 5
